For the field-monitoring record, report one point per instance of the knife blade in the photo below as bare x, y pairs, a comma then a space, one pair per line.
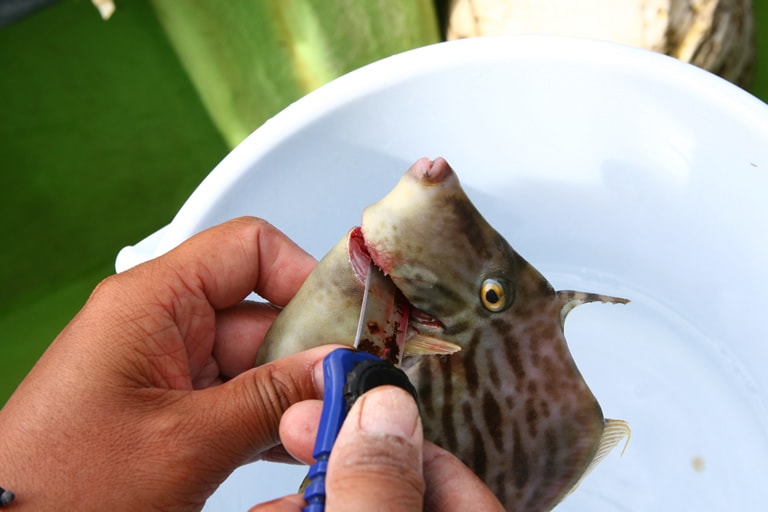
383, 322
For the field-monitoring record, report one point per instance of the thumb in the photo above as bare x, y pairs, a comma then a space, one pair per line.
376, 462
238, 421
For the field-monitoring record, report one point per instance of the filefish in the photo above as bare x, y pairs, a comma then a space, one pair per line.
484, 342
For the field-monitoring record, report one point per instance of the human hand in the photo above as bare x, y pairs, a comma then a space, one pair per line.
380, 461
147, 399
123, 410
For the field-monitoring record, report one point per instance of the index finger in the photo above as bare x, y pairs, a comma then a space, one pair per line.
246, 254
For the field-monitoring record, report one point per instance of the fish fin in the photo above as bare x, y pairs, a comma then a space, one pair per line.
613, 432
421, 345
569, 299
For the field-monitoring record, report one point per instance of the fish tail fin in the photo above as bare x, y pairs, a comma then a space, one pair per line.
569, 299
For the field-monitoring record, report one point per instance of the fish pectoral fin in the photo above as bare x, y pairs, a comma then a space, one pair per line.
569, 299
421, 345
613, 432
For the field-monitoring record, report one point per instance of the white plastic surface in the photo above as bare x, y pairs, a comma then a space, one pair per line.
610, 169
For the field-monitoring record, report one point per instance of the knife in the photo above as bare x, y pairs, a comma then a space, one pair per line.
383, 321
348, 373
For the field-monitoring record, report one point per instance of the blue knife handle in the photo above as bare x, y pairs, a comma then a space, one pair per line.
336, 367
347, 375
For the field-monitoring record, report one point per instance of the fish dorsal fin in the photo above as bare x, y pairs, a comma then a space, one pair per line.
613, 432
421, 345
569, 299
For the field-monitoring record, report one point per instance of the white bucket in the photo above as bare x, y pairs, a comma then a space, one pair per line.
610, 169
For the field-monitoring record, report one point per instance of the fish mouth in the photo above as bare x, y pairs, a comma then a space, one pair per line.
422, 335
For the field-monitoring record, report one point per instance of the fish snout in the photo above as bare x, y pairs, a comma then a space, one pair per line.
430, 172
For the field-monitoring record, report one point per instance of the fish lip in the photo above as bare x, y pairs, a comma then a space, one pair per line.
361, 254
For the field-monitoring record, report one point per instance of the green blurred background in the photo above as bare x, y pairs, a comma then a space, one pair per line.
105, 127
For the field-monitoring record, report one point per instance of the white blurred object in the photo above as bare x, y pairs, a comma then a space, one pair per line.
717, 35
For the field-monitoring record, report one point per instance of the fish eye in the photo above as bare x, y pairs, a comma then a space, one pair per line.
493, 295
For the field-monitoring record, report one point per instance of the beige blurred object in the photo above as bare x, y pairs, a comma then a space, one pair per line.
106, 8
717, 35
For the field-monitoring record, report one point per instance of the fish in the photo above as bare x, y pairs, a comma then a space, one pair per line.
485, 344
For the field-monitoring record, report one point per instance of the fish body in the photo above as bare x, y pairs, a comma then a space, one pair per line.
511, 404
325, 310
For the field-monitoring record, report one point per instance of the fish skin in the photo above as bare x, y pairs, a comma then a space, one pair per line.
324, 311
512, 404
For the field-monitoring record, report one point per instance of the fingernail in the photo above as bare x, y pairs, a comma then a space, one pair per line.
389, 410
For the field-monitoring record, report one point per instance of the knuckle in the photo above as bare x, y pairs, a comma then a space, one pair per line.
268, 394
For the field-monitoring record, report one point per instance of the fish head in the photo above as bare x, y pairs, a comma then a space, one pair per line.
511, 404
439, 250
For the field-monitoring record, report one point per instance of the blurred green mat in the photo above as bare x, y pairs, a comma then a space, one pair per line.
86, 167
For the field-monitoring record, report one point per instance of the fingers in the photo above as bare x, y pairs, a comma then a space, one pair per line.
238, 421
216, 270
239, 332
244, 255
173, 299
376, 463
229, 261
450, 485
292, 503
298, 429
280, 455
